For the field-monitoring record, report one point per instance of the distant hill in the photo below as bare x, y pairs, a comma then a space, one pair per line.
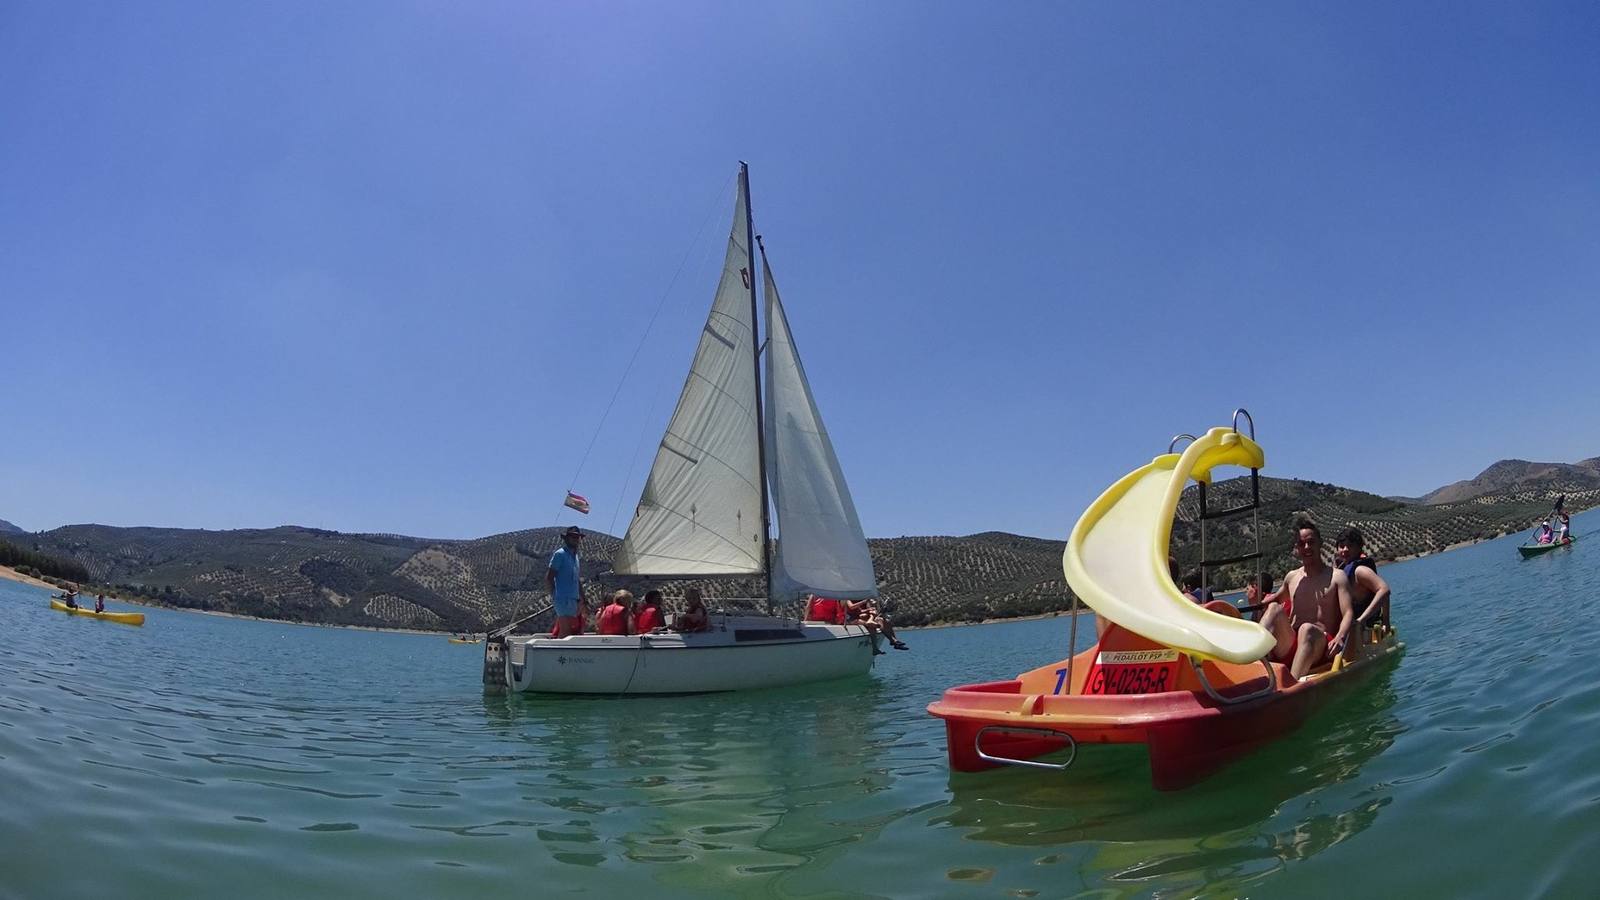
1392, 529
8, 528
311, 575
1521, 475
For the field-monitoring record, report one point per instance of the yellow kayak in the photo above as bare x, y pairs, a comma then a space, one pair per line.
124, 618
466, 640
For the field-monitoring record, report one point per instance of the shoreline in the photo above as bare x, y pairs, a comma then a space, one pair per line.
11, 574
1083, 609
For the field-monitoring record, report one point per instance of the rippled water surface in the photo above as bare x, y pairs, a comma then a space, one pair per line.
203, 756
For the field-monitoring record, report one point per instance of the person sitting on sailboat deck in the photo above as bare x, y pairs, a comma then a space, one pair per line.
649, 617
825, 610
561, 579
693, 618
617, 616
866, 614
1369, 593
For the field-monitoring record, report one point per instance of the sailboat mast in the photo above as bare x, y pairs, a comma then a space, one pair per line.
755, 360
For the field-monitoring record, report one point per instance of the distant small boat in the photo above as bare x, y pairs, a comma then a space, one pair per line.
1528, 550
456, 640
125, 618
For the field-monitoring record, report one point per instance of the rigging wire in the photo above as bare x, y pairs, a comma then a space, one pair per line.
660, 304
706, 253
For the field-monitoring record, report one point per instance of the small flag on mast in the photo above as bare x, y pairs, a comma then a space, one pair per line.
577, 503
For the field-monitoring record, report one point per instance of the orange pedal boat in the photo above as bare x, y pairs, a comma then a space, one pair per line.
1191, 683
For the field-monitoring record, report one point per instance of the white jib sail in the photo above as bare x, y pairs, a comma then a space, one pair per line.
700, 513
821, 549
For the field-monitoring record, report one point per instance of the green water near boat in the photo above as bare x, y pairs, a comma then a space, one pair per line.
203, 756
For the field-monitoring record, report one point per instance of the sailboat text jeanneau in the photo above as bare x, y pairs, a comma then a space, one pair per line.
703, 514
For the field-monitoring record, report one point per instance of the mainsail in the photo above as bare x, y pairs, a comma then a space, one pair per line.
700, 513
821, 549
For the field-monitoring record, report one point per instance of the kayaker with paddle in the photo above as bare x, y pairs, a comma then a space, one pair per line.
100, 603
1312, 624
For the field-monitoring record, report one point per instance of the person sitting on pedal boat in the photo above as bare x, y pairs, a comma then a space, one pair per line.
1369, 593
1312, 624
1193, 590
1258, 593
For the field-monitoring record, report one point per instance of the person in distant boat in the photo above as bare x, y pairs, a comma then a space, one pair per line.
566, 591
1561, 533
100, 603
1258, 592
1369, 593
1312, 623
694, 618
617, 616
70, 597
649, 617
866, 614
825, 609
1544, 535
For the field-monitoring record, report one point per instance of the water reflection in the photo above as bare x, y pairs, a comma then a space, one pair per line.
740, 784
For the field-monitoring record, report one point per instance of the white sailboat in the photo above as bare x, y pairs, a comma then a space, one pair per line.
703, 513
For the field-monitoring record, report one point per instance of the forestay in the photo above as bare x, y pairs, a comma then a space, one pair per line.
700, 513
821, 549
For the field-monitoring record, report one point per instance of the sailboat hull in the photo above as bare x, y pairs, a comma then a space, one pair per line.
740, 653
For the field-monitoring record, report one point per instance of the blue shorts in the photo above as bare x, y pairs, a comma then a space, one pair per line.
567, 607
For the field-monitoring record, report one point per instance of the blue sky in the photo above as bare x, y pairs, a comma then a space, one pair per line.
380, 266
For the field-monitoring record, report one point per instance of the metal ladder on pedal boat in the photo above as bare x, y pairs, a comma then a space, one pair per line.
1206, 514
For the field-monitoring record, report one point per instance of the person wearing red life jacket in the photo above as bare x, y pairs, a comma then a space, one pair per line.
617, 615
824, 609
649, 617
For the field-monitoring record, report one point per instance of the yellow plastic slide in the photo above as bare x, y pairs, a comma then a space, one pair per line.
1116, 559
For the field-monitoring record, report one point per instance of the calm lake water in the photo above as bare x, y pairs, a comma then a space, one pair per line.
202, 756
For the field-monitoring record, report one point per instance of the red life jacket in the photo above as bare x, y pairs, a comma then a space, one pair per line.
824, 609
614, 619
648, 618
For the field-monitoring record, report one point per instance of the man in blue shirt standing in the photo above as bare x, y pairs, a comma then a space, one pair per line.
562, 581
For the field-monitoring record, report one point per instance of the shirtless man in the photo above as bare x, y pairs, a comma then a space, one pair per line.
1312, 624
